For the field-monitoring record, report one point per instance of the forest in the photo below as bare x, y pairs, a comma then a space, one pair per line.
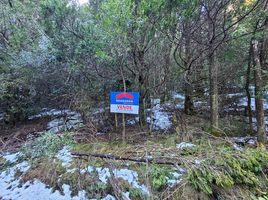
199, 70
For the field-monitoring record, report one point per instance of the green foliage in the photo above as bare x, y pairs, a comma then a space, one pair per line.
158, 176
46, 145
15, 99
97, 190
136, 193
229, 168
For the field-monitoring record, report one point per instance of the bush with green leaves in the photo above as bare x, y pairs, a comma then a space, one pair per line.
228, 168
46, 145
136, 193
159, 176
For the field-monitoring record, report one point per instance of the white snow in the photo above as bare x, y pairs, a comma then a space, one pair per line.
180, 106
244, 102
125, 195
132, 121
155, 101
109, 197
12, 158
197, 161
49, 113
230, 95
1, 116
198, 103
237, 147
11, 187
89, 169
82, 2
131, 177
185, 145
176, 95
175, 180
38, 190
128, 175
254, 121
241, 141
103, 173
65, 156
100, 110
72, 120
159, 118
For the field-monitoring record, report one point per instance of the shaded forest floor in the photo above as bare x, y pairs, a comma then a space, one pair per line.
60, 155
165, 167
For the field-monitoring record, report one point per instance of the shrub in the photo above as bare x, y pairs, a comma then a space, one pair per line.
228, 168
46, 145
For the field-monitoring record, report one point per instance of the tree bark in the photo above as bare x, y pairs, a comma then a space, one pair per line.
213, 78
188, 102
261, 136
123, 115
249, 110
113, 157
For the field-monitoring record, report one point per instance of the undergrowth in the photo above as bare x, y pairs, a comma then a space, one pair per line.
46, 145
228, 168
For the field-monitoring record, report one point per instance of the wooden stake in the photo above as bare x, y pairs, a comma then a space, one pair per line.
116, 121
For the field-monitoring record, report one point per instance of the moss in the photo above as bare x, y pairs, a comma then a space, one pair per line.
216, 132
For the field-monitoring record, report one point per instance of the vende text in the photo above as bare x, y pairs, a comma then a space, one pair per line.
123, 107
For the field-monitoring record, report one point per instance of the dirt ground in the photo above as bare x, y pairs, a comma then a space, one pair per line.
12, 138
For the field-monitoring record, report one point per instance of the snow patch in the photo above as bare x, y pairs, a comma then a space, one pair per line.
109, 197
103, 173
185, 145
65, 119
131, 177
155, 101
125, 195
12, 188
176, 95
175, 180
254, 121
89, 169
235, 95
12, 158
132, 121
65, 156
128, 175
159, 118
244, 102
237, 147
1, 116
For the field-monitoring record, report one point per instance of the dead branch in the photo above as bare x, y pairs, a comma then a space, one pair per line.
114, 157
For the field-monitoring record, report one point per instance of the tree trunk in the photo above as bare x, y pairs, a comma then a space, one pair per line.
261, 136
249, 110
123, 115
142, 101
213, 78
188, 102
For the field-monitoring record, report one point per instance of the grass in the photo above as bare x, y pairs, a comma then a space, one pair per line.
50, 170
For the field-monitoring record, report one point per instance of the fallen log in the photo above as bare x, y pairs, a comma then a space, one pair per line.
114, 157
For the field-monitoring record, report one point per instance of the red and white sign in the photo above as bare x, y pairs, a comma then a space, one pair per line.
124, 102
